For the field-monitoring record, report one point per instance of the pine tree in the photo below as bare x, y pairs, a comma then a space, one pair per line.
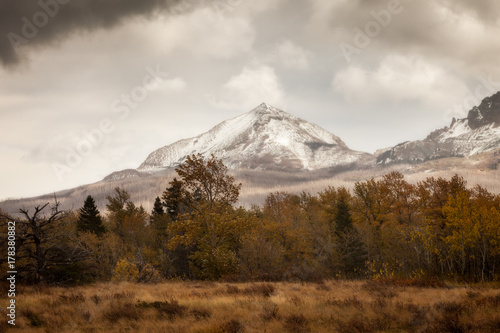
174, 199
158, 208
89, 218
159, 220
343, 218
174, 202
350, 245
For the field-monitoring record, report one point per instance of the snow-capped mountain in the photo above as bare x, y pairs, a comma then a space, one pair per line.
265, 138
478, 133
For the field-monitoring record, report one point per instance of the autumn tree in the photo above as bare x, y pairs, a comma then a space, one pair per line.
210, 224
288, 226
434, 195
261, 257
473, 221
131, 224
399, 198
206, 183
370, 203
324, 229
104, 252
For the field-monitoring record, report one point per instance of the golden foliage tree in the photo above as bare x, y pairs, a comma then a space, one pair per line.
211, 224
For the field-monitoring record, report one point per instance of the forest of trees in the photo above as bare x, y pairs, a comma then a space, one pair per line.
383, 228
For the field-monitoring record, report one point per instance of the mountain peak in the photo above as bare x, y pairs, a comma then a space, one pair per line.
478, 133
266, 108
488, 112
264, 138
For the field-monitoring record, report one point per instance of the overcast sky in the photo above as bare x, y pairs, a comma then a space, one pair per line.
89, 87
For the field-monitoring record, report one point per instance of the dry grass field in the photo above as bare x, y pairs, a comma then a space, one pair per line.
206, 307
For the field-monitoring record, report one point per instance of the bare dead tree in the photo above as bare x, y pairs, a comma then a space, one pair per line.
42, 241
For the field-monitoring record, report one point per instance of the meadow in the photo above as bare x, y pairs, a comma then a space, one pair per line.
209, 307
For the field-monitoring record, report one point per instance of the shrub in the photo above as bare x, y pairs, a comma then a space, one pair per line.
449, 319
34, 319
123, 295
357, 324
352, 301
265, 289
270, 311
418, 282
230, 289
96, 299
296, 323
489, 301
119, 310
125, 271
170, 309
200, 313
72, 298
232, 326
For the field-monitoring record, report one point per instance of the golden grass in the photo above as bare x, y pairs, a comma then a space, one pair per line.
206, 307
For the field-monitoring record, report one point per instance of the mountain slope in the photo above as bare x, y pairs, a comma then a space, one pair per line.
265, 138
272, 142
478, 133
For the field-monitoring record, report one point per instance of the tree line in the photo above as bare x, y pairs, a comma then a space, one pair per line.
384, 228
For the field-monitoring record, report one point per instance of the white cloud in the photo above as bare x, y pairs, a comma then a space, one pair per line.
207, 31
250, 88
174, 85
291, 56
398, 79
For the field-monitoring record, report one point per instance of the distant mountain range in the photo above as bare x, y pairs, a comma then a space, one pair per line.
478, 133
267, 138
268, 143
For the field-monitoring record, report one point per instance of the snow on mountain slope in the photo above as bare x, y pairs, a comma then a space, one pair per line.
264, 138
478, 133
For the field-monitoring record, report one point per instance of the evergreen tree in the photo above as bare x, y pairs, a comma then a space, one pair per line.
343, 218
159, 220
174, 199
174, 202
158, 208
89, 218
350, 245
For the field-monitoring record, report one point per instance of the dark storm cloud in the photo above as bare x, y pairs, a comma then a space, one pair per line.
30, 23
485, 10
444, 31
